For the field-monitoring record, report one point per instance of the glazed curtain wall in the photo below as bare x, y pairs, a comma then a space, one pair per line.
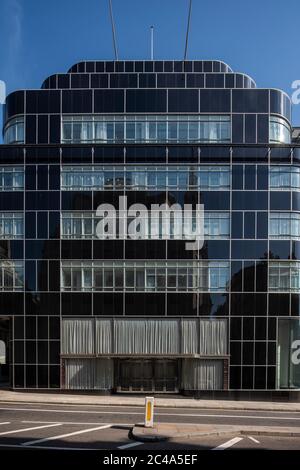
138, 337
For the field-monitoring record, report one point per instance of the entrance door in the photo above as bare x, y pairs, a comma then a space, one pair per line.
147, 375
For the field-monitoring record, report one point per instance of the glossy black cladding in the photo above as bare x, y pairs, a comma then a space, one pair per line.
247, 300
149, 87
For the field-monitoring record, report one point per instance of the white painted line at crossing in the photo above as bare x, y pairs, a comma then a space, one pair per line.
80, 423
228, 444
5, 422
62, 436
254, 440
15, 431
132, 444
50, 448
38, 410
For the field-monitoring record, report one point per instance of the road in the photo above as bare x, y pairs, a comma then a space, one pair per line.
70, 427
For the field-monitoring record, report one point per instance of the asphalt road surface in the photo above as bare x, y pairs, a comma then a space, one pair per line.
70, 427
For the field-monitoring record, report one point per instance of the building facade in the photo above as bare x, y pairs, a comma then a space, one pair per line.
84, 309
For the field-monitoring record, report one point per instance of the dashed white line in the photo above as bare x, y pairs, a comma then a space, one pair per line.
254, 440
228, 444
62, 436
5, 422
15, 431
132, 444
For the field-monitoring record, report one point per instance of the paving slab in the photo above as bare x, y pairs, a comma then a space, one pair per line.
170, 431
128, 400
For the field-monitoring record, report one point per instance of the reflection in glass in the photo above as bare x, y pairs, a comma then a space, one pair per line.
146, 128
206, 276
140, 178
288, 345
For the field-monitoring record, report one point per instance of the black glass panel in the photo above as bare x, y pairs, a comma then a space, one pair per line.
235, 328
99, 80
249, 200
250, 154
124, 80
181, 304
248, 304
170, 80
14, 104
76, 304
279, 304
195, 80
237, 128
214, 101
250, 101
280, 200
249, 249
145, 101
108, 303
77, 101
44, 101
262, 128
183, 101
279, 249
147, 80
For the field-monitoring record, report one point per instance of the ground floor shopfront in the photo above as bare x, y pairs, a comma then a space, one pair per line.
157, 355
142, 355
144, 375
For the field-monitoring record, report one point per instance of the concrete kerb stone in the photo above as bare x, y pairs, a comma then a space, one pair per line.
234, 430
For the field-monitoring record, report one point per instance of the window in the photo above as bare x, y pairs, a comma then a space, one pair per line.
143, 276
280, 131
284, 225
141, 178
288, 369
284, 177
82, 225
11, 178
11, 275
14, 131
284, 276
3, 358
146, 128
11, 225
216, 225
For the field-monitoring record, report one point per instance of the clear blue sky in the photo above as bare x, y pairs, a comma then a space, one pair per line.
39, 38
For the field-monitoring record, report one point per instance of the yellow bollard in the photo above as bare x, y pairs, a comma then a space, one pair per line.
149, 412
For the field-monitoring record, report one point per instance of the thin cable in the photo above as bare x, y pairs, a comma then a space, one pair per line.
187, 31
113, 30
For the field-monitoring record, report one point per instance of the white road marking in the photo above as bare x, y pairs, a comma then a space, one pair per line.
79, 423
200, 415
254, 440
62, 436
75, 411
132, 444
51, 448
6, 422
15, 431
228, 444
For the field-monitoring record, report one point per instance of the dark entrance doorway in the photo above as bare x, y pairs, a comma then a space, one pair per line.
147, 375
5, 351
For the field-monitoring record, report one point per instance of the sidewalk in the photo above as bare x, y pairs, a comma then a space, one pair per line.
126, 400
172, 431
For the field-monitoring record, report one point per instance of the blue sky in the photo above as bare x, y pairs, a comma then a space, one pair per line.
39, 38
